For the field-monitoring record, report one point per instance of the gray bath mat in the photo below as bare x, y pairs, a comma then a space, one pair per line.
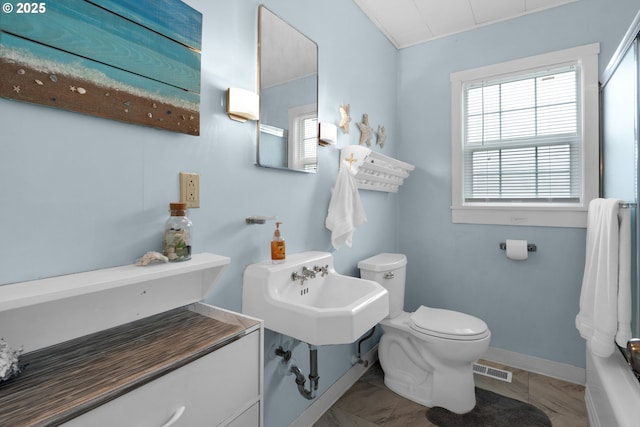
492, 410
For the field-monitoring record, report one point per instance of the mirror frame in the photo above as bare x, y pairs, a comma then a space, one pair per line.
307, 108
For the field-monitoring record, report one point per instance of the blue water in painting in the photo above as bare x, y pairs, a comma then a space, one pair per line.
170, 17
148, 47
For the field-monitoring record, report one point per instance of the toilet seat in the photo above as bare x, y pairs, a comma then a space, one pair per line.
447, 324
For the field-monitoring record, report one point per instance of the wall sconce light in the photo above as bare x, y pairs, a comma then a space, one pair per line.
242, 104
328, 134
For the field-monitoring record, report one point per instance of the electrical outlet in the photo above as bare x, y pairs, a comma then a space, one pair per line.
190, 189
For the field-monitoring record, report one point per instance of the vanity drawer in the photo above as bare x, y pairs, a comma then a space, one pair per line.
210, 389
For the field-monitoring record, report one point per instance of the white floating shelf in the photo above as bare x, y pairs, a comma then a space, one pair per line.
374, 171
19, 295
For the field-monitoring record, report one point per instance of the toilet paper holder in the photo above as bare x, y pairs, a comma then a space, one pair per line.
530, 247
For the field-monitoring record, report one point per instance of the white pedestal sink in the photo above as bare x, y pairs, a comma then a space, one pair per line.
324, 308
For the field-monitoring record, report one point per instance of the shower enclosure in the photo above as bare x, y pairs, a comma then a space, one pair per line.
612, 391
619, 140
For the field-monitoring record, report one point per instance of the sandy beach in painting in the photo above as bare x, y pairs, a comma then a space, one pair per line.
33, 83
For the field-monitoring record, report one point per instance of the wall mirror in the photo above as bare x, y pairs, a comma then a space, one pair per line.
288, 87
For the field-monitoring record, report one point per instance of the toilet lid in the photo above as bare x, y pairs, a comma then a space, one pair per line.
447, 324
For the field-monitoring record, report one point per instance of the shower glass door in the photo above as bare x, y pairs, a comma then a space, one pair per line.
619, 146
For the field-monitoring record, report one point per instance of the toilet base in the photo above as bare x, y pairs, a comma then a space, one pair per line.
454, 391
433, 372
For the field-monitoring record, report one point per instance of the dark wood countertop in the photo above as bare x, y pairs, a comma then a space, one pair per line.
68, 379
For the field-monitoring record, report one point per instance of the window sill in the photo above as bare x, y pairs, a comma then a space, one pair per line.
536, 216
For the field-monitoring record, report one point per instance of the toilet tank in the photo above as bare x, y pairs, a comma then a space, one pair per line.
389, 270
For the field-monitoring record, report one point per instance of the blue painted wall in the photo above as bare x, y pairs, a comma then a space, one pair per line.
80, 193
530, 306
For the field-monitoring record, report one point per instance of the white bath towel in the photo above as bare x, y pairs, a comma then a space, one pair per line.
605, 303
345, 209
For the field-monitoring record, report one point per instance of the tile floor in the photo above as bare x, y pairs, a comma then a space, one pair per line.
369, 403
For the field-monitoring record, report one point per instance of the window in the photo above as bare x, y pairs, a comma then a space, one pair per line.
308, 140
525, 140
303, 146
521, 138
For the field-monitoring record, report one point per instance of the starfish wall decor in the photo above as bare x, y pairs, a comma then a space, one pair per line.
381, 136
345, 118
366, 131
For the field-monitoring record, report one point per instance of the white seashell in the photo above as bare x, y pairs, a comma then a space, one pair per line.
82, 90
53, 78
39, 82
21, 71
150, 257
149, 115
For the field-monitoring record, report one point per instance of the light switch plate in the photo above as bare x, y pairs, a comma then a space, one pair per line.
190, 189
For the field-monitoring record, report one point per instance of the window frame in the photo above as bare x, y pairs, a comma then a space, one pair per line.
556, 214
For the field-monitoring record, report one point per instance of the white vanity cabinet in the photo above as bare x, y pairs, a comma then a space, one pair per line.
221, 388
131, 346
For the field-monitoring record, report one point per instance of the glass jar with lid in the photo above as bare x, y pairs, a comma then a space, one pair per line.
176, 243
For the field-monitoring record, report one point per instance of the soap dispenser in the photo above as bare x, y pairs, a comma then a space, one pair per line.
278, 252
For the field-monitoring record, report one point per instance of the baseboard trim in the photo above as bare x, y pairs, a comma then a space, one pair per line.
333, 393
538, 365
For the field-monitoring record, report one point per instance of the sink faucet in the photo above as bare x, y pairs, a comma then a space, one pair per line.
306, 274
310, 274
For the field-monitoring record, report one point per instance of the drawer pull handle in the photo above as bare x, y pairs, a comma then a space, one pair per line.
175, 417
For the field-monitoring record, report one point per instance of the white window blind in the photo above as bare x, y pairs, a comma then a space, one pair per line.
522, 138
309, 141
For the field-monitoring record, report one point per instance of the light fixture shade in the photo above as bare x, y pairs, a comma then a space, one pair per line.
328, 134
242, 104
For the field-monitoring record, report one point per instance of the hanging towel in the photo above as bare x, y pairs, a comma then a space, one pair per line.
605, 303
345, 209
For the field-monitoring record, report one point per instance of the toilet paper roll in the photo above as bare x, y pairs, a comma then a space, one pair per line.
517, 249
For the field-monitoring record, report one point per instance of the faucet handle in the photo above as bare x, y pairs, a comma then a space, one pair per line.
297, 276
324, 270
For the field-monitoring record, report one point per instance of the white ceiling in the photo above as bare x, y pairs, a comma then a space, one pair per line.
285, 53
409, 22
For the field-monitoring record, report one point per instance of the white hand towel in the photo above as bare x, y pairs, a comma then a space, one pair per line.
345, 209
604, 300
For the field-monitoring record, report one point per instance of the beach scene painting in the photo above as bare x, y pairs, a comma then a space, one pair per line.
136, 61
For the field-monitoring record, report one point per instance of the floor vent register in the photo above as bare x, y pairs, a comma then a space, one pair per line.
488, 371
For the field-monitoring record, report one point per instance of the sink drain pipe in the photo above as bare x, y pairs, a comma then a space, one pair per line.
300, 379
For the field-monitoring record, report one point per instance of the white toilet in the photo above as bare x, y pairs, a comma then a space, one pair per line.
427, 356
